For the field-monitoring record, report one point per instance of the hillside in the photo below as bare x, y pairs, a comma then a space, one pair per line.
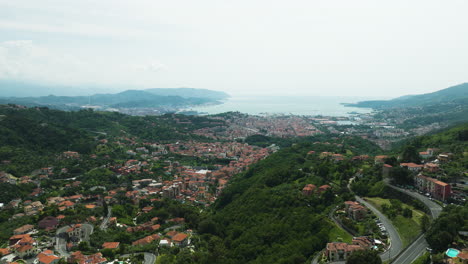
262, 216
456, 94
33, 136
126, 99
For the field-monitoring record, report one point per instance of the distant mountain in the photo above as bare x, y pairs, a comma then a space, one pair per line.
189, 93
12, 88
152, 98
454, 94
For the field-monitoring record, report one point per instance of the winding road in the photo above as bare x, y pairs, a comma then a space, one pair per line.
418, 247
61, 238
396, 245
105, 221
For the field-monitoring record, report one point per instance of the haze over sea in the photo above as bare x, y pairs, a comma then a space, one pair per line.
296, 105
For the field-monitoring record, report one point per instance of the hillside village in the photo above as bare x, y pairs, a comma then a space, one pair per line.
150, 194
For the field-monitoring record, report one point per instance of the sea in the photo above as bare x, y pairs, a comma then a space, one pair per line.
286, 105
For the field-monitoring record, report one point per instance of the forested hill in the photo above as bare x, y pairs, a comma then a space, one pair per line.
262, 216
126, 99
30, 136
189, 93
456, 94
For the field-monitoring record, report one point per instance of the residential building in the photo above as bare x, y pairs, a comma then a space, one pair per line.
23, 230
438, 189
309, 189
355, 210
340, 251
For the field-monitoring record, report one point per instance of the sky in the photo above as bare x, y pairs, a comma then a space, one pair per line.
260, 47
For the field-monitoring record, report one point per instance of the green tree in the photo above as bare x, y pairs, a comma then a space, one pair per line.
425, 223
364, 256
411, 154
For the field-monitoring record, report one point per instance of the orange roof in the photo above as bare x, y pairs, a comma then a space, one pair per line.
90, 206
179, 237
4, 251
47, 259
24, 248
111, 245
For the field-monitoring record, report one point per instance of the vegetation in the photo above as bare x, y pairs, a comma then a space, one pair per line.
444, 230
364, 256
406, 219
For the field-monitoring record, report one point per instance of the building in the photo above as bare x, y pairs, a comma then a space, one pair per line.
355, 210
363, 241
110, 245
23, 230
75, 231
412, 166
431, 167
438, 189
309, 189
78, 257
180, 240
340, 251
47, 257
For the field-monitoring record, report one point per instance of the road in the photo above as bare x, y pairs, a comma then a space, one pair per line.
433, 207
61, 237
150, 258
396, 245
105, 221
418, 247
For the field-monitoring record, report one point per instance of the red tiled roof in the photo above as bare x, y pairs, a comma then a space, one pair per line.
179, 237
111, 245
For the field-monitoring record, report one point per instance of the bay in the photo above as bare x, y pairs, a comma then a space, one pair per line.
286, 105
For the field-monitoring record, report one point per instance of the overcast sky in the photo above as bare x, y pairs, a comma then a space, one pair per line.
310, 47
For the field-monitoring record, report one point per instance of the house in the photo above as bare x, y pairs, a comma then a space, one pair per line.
431, 167
4, 251
47, 257
363, 241
355, 210
323, 188
180, 239
66, 205
78, 257
23, 230
412, 166
26, 250
33, 208
438, 189
165, 243
380, 159
110, 245
146, 240
48, 223
75, 231
444, 157
22, 245
309, 189
340, 251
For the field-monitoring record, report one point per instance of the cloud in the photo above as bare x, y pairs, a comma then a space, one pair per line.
28, 61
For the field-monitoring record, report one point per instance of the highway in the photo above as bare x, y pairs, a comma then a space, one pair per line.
433, 207
418, 247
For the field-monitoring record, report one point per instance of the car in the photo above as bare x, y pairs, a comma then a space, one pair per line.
429, 249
